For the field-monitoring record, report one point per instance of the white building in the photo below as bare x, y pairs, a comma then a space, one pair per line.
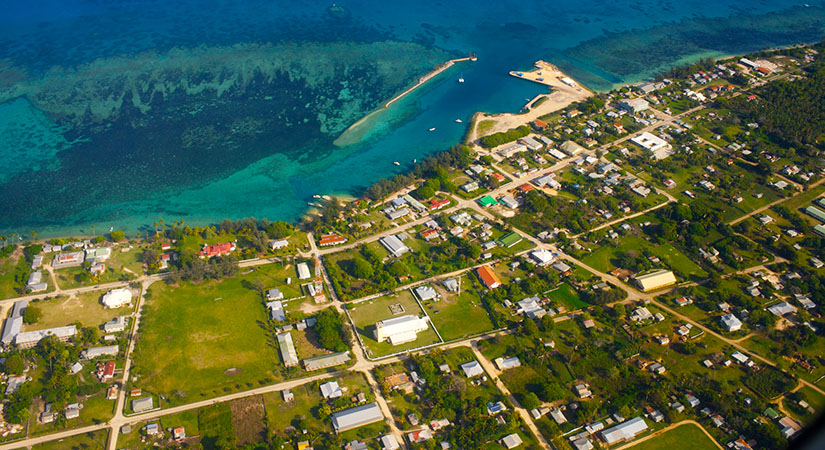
394, 245
634, 105
303, 271
117, 298
731, 322
658, 147
542, 257
655, 280
624, 431
94, 352
472, 369
399, 330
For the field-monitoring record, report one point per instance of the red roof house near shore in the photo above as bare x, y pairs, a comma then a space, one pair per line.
217, 249
539, 124
488, 277
331, 239
438, 204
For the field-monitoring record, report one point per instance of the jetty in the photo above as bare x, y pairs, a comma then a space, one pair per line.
429, 77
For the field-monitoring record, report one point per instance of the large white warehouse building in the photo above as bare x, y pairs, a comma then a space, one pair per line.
399, 330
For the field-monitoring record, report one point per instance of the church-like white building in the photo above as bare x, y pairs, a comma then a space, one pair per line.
399, 330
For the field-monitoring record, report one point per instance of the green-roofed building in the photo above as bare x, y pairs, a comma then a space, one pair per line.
820, 230
510, 239
820, 201
487, 201
816, 213
772, 414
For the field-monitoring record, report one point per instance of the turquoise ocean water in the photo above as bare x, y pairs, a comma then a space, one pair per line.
118, 113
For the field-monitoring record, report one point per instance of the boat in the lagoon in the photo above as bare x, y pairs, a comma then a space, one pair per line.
458, 120
461, 80
432, 129
396, 163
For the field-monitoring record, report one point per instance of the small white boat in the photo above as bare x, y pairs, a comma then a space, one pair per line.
415, 160
316, 196
432, 129
458, 120
396, 163
461, 80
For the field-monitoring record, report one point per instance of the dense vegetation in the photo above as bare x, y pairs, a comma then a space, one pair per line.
457, 157
793, 112
503, 137
332, 335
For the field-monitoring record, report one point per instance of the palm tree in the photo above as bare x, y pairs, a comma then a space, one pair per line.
93, 231
34, 236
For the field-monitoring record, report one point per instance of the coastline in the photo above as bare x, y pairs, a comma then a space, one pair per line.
356, 132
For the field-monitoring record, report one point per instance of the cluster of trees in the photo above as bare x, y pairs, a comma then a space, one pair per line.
457, 157
332, 334
196, 269
503, 137
792, 112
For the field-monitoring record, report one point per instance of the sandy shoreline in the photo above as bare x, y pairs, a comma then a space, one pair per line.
564, 92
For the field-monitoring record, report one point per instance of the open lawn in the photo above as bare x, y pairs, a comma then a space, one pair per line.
13, 274
89, 441
96, 409
457, 316
603, 259
687, 434
84, 308
365, 314
203, 340
567, 296
187, 419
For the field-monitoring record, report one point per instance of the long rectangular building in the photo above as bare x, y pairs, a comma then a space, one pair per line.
324, 361
655, 280
28, 339
356, 417
288, 352
14, 323
816, 213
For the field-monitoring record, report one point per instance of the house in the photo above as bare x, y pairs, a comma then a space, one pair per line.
94, 352
571, 148
388, 442
560, 267
152, 429
624, 431
507, 363
420, 435
488, 277
657, 368
530, 308
731, 322
210, 251
287, 395
178, 434
276, 310
116, 298
583, 390
399, 381
331, 239
634, 105
438, 204
558, 416
511, 441
98, 254
72, 259
115, 325
331, 389
13, 383
399, 330
509, 201
661, 339
106, 371
692, 400
142, 404
451, 284
781, 309
426, 292
355, 445
355, 417
394, 245
303, 271
656, 146
278, 244
542, 257
274, 294
472, 369
582, 443
640, 314
72, 411
324, 361
655, 280
495, 408
287, 348
394, 214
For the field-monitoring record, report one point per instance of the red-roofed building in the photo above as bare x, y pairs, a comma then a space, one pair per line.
539, 124
438, 204
497, 176
525, 188
217, 250
106, 370
488, 277
429, 234
165, 246
764, 70
331, 239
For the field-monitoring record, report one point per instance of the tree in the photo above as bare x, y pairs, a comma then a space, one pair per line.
360, 268
530, 401
32, 314
15, 364
117, 235
398, 268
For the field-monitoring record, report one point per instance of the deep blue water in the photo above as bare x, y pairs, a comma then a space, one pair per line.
85, 151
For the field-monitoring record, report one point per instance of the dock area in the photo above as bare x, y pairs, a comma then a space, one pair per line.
428, 77
546, 74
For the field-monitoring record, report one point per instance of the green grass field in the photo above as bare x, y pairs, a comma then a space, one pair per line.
567, 296
456, 316
683, 436
9, 267
84, 308
89, 441
203, 340
365, 314
602, 258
